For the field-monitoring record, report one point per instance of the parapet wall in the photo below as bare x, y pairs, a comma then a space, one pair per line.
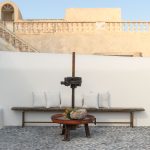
61, 26
101, 42
108, 38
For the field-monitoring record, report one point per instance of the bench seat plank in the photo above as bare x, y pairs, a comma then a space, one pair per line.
101, 109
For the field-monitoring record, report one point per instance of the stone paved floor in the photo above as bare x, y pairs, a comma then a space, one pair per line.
49, 138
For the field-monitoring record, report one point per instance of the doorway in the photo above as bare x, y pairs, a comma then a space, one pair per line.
7, 13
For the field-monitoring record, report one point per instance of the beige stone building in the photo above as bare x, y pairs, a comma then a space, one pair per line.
84, 30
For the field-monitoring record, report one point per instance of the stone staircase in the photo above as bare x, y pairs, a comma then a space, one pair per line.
15, 41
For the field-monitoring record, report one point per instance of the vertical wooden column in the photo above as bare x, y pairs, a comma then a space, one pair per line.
73, 75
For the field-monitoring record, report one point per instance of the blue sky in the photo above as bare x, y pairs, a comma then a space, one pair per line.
137, 10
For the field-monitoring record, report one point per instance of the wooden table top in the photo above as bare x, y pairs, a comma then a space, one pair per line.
61, 119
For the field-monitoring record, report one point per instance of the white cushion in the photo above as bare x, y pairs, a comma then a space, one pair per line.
66, 99
52, 99
90, 100
39, 99
104, 99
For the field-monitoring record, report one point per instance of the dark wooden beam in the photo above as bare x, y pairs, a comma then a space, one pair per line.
73, 75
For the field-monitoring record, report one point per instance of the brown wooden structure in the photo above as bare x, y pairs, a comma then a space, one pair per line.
69, 124
119, 110
73, 82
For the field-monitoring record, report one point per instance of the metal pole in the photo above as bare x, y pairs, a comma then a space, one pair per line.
73, 75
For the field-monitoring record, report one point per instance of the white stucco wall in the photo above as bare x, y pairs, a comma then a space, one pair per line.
127, 80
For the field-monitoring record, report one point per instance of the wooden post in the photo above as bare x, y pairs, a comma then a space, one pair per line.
73, 75
73, 64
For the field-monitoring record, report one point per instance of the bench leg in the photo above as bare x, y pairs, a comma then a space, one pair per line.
131, 119
23, 119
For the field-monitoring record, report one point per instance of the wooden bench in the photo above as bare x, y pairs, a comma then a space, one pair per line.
130, 111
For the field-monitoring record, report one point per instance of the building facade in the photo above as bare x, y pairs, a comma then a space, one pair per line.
98, 31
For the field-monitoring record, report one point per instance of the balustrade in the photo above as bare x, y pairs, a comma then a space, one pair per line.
128, 26
77, 27
52, 27
15, 41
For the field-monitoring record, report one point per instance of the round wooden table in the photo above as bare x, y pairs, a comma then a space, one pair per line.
69, 124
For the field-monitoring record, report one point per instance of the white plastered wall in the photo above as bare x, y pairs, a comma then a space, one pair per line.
127, 80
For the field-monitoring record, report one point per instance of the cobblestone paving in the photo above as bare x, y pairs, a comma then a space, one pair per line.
49, 138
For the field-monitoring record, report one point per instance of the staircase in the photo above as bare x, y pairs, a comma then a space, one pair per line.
15, 41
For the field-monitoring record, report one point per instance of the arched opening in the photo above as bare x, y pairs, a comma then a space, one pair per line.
7, 13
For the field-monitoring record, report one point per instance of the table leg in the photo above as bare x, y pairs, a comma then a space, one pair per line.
87, 131
63, 130
67, 133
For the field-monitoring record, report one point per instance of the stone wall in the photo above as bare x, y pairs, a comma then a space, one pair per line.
108, 38
85, 30
103, 42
